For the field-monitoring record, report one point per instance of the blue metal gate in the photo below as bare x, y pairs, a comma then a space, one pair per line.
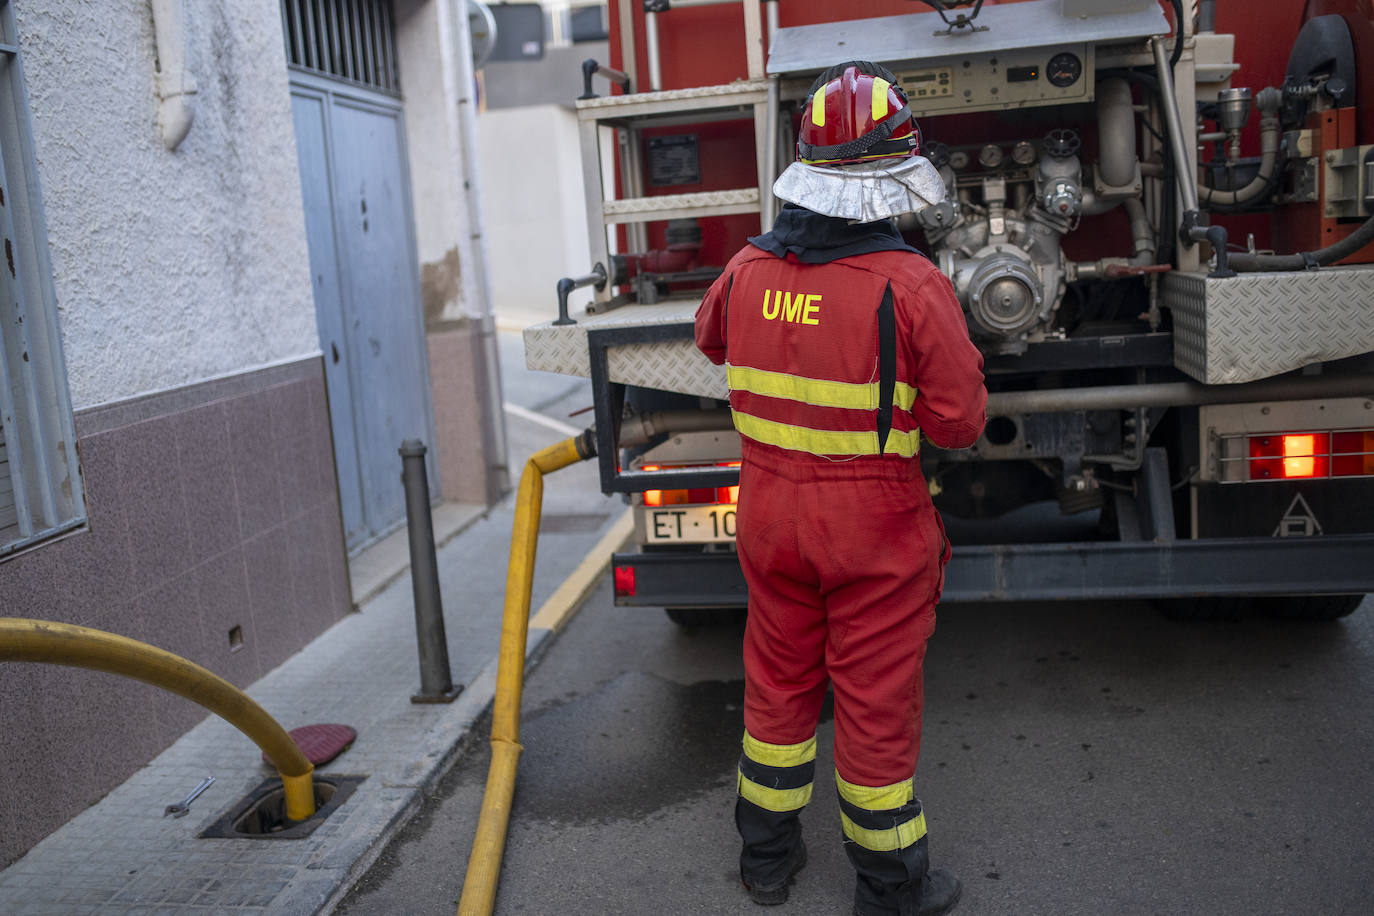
355, 186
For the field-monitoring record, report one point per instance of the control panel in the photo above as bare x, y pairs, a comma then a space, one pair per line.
1018, 78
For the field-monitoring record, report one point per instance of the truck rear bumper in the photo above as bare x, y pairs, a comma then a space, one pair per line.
1331, 565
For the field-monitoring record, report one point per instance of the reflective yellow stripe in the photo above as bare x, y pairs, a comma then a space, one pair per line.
814, 391
779, 755
876, 798
886, 840
773, 799
818, 107
825, 441
880, 87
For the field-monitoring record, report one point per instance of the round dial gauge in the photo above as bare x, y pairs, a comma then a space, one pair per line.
1064, 69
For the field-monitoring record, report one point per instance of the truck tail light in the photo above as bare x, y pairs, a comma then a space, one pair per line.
624, 581
1298, 455
696, 496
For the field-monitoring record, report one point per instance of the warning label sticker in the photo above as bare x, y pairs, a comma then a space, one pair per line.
1298, 521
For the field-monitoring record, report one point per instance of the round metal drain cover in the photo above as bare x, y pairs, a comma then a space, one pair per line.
321, 743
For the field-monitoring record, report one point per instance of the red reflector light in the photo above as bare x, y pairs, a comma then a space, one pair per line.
695, 496
625, 581
1299, 456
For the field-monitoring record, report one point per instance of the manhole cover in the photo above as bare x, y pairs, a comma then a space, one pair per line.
321, 743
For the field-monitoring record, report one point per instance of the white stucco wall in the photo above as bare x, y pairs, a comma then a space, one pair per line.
536, 221
169, 267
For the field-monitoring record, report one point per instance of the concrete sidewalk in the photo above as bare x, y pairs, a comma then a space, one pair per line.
122, 856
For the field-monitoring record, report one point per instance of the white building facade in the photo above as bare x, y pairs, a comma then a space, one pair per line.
227, 281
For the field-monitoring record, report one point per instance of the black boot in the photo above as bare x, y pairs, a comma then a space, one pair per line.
773, 894
935, 894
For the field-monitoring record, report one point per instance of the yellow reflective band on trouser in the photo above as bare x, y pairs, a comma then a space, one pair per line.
889, 839
773, 799
876, 798
818, 107
825, 441
814, 391
779, 755
880, 87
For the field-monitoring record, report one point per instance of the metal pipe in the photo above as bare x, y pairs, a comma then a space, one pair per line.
1268, 103
175, 85
1176, 394
47, 642
484, 863
591, 68
651, 39
1142, 233
566, 285
1184, 168
436, 681
770, 150
640, 428
1207, 16
1115, 132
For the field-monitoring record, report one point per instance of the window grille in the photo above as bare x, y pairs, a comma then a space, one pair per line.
352, 40
40, 486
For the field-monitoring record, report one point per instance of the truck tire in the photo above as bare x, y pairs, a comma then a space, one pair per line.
693, 617
1238, 607
1311, 607
1210, 608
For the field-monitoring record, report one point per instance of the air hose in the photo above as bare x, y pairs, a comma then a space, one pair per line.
1307, 260
484, 862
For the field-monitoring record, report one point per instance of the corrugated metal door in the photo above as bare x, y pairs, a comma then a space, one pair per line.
350, 138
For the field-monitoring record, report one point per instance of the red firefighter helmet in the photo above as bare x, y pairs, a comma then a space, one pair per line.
856, 112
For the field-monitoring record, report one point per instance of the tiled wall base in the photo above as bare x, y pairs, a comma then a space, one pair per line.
212, 508
464, 446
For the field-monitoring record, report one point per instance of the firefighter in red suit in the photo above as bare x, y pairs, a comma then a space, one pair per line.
843, 348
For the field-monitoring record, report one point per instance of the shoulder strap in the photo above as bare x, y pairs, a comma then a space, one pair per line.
887, 365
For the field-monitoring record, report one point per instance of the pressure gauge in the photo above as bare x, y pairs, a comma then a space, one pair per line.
1023, 153
1064, 69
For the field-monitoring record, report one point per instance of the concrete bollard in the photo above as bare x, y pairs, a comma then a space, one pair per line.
436, 682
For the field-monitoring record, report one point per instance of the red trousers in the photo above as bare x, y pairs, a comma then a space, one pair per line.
844, 561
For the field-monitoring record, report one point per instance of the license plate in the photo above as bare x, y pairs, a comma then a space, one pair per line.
689, 525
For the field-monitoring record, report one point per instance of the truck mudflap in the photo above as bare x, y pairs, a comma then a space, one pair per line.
1325, 565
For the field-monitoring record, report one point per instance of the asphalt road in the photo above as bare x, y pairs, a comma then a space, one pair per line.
1078, 759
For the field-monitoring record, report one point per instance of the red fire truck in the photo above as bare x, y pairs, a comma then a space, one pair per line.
1158, 220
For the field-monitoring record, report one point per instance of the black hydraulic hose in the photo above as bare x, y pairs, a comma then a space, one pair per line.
1178, 32
1307, 260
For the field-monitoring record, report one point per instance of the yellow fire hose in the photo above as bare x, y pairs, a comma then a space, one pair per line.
81, 647
484, 863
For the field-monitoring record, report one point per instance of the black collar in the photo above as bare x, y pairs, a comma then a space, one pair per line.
818, 239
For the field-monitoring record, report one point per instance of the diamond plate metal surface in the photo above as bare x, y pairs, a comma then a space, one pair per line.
1259, 325
672, 366
701, 199
729, 94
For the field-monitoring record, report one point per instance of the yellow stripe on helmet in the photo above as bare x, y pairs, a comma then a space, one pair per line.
880, 87
818, 107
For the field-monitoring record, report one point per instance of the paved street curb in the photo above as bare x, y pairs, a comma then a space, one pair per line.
569, 596
477, 698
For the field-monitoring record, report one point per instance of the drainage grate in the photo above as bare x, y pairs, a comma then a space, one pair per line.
571, 523
261, 815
